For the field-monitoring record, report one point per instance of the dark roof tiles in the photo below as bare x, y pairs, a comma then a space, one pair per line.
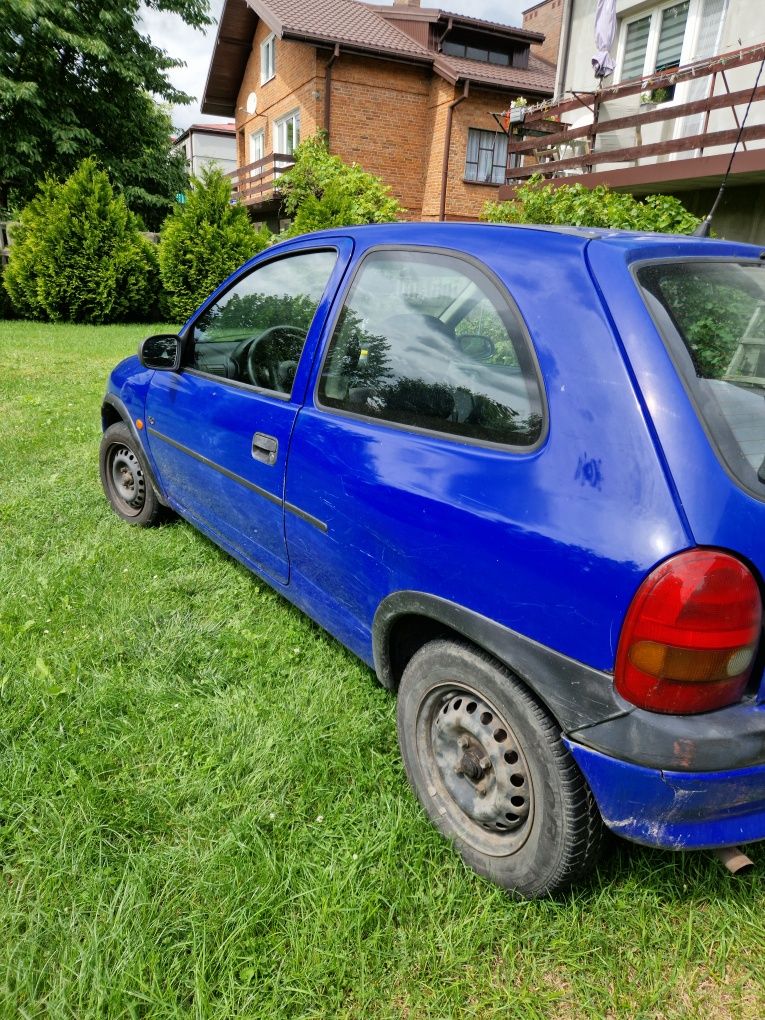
538, 77
468, 19
343, 21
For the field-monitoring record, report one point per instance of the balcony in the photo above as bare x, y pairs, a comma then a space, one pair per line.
256, 183
675, 127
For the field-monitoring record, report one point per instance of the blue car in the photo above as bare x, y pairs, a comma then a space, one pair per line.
518, 471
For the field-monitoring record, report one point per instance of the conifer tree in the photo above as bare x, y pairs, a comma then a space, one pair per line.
204, 241
78, 255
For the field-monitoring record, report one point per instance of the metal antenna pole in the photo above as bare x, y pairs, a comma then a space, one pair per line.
702, 230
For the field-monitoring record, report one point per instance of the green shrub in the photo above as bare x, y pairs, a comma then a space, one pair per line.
321, 191
7, 311
203, 241
78, 255
575, 205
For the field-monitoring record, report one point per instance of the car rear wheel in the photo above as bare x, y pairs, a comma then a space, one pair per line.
488, 765
124, 478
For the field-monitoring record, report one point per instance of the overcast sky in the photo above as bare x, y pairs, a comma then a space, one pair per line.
170, 33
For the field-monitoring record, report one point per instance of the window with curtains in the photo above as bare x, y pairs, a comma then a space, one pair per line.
486, 158
654, 42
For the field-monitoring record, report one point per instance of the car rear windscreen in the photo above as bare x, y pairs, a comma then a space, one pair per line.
716, 310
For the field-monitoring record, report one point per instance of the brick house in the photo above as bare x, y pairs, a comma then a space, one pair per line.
407, 93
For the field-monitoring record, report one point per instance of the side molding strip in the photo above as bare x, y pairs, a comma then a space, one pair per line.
305, 516
217, 467
277, 500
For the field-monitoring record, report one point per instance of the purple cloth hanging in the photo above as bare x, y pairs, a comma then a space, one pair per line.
605, 33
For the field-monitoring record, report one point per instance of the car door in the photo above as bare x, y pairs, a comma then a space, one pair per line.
219, 429
419, 442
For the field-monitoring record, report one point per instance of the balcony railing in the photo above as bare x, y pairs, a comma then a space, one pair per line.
611, 126
257, 182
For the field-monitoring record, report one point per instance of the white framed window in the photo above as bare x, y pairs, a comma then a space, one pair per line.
287, 133
257, 145
486, 157
668, 35
658, 40
268, 59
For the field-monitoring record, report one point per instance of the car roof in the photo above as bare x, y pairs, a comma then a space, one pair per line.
463, 234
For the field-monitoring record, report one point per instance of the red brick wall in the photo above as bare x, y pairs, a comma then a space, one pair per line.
547, 18
295, 85
464, 199
379, 120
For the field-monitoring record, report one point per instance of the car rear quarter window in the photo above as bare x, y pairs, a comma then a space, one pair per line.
713, 315
429, 341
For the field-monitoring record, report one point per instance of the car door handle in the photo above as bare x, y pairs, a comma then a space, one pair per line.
265, 448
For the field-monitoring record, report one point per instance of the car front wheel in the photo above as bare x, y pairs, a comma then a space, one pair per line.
124, 478
488, 765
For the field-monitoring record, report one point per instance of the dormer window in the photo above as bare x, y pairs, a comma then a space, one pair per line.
268, 59
486, 48
455, 49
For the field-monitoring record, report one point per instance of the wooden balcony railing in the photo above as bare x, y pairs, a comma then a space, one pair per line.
559, 148
257, 182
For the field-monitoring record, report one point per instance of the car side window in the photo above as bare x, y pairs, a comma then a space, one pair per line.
429, 341
255, 332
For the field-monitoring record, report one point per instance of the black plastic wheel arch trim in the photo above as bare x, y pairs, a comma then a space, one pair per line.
583, 700
576, 694
110, 400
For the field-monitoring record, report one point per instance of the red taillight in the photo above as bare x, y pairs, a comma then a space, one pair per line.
691, 635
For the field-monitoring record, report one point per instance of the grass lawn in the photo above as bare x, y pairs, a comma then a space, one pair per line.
202, 808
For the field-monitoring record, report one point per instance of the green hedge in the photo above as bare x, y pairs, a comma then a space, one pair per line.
574, 205
78, 254
321, 191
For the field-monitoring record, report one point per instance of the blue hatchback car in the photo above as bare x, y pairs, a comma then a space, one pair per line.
520, 473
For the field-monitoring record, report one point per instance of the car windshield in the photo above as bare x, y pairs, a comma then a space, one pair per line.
718, 311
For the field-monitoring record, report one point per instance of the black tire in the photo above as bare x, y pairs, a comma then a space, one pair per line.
487, 763
125, 480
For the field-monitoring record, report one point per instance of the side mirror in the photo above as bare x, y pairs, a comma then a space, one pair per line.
161, 352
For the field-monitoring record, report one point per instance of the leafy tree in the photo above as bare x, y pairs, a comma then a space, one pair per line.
77, 78
203, 241
78, 254
321, 191
575, 205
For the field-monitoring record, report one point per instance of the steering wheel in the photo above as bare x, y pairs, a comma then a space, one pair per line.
476, 345
273, 371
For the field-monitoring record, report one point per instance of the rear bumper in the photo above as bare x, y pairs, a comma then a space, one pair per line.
675, 810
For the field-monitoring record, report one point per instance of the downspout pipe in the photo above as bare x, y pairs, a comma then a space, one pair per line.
447, 146
328, 90
565, 37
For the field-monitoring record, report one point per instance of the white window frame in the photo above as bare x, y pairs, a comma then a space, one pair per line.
689, 39
268, 59
257, 134
477, 180
280, 130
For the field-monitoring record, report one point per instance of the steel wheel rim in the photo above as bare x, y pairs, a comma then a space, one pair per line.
477, 776
126, 480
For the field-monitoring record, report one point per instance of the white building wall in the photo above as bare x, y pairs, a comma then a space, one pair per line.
203, 149
742, 20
